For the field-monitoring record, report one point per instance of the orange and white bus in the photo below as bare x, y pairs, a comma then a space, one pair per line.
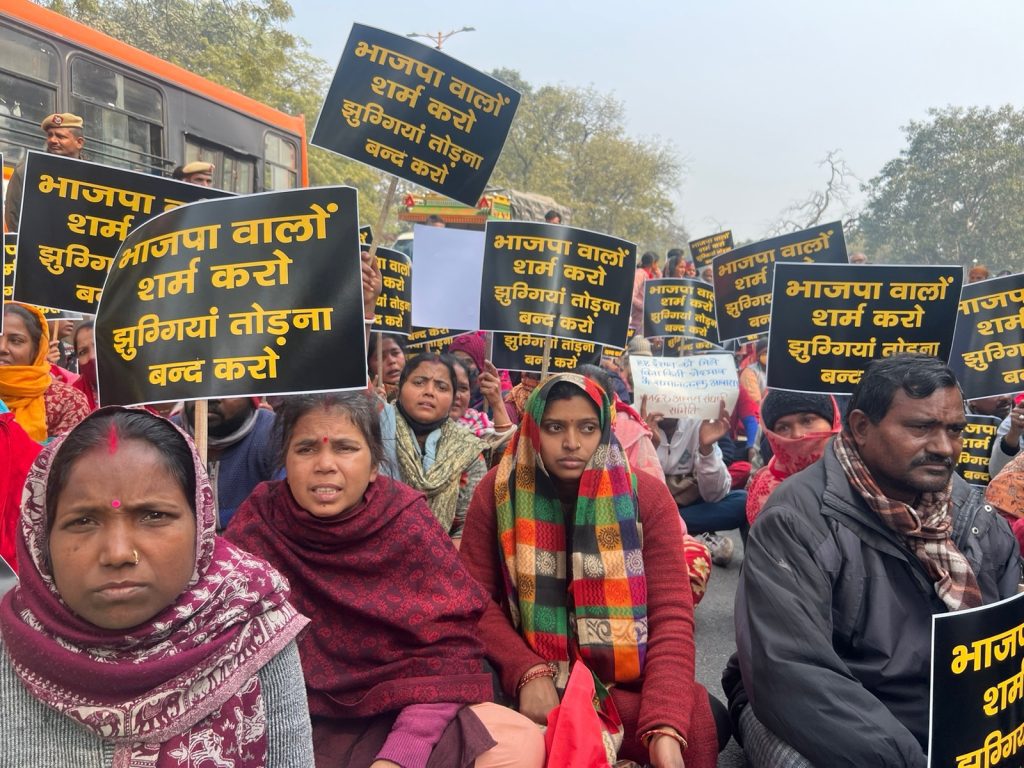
140, 111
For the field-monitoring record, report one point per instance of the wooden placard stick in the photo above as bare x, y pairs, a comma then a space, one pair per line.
382, 221
200, 431
548, 344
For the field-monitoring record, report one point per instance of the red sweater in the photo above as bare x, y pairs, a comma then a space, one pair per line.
667, 694
17, 452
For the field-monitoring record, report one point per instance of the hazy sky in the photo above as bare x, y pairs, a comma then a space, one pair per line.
752, 95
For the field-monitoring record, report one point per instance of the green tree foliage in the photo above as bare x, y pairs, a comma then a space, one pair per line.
241, 44
955, 195
571, 144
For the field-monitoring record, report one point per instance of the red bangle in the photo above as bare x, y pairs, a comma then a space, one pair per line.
645, 739
535, 674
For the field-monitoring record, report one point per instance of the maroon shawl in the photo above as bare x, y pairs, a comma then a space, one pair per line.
185, 677
394, 610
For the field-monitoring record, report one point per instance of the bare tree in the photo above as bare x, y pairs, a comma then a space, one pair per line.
833, 200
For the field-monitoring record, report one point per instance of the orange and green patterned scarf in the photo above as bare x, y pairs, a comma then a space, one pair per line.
597, 609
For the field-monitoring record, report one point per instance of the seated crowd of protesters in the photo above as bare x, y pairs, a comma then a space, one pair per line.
361, 525
408, 576
360, 502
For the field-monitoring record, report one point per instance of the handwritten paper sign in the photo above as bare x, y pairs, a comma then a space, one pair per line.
988, 347
414, 112
977, 691
686, 387
74, 215
830, 320
255, 295
554, 280
705, 249
743, 276
679, 307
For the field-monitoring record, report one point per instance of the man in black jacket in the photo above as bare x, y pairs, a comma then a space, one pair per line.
846, 566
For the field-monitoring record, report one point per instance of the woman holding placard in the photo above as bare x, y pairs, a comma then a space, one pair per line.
392, 360
495, 434
583, 560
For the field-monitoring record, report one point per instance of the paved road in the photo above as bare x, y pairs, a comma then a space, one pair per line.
716, 640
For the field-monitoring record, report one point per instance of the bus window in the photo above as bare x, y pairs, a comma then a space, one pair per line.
239, 173
123, 117
28, 92
280, 166
231, 171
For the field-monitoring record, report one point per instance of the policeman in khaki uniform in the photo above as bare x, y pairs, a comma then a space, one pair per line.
196, 172
63, 137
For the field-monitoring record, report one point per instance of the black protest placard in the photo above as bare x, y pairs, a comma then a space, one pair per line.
8, 578
56, 314
74, 215
254, 295
10, 263
705, 249
10, 269
554, 280
988, 349
683, 346
366, 235
743, 276
977, 690
437, 339
679, 307
414, 112
617, 351
976, 449
393, 313
523, 352
830, 320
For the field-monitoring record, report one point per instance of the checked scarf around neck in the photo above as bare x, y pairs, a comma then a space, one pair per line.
925, 529
606, 585
440, 480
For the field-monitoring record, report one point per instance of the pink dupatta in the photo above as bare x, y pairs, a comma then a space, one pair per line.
175, 690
